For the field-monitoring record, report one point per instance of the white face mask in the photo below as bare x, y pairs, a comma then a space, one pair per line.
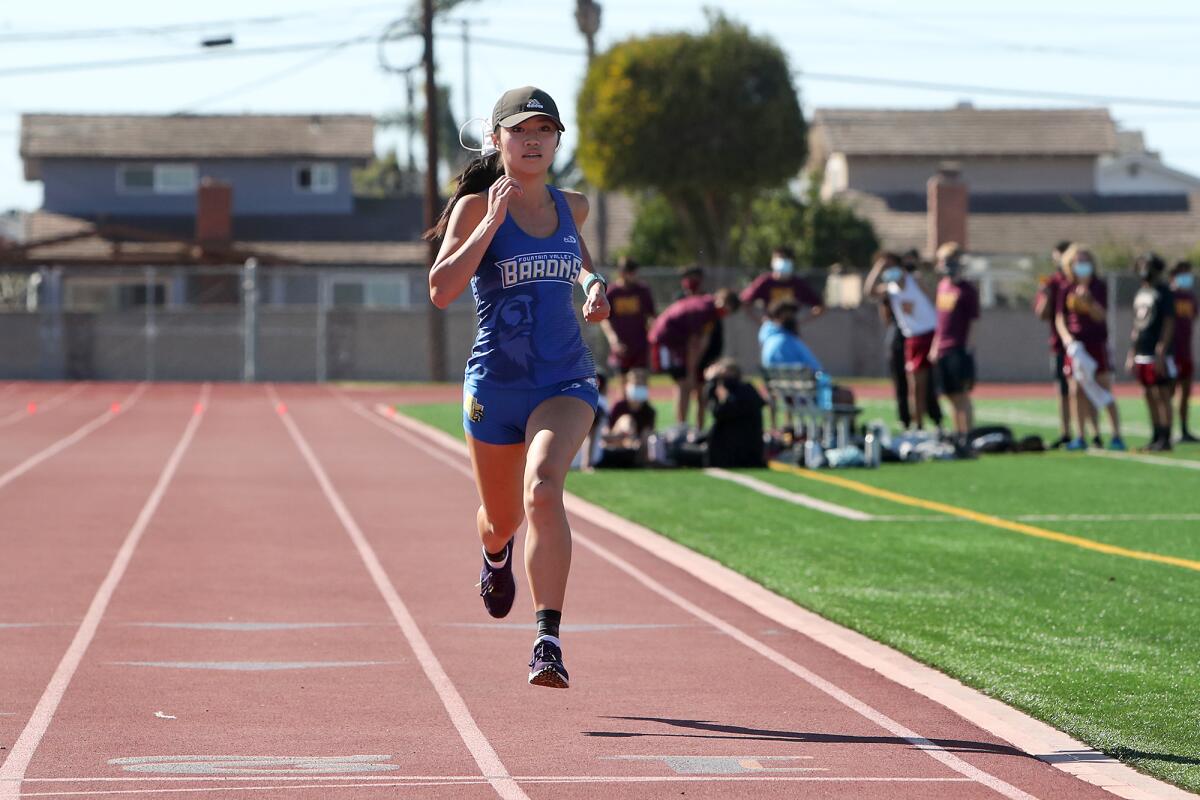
639, 394
784, 267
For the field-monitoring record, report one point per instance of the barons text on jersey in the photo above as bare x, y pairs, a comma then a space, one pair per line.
533, 267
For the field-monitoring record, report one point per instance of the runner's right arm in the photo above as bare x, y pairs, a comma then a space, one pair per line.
473, 222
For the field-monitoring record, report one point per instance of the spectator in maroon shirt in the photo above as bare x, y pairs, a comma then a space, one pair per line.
678, 340
632, 312
957, 307
1045, 303
1080, 319
781, 284
1182, 283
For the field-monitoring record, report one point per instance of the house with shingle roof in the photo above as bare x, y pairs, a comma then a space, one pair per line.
1030, 177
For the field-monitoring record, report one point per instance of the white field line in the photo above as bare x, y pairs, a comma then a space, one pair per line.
71, 438
1026, 733
475, 740
1048, 421
1161, 461
430, 441
13, 769
48, 405
762, 487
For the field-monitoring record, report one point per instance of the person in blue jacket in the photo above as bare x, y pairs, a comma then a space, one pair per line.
529, 391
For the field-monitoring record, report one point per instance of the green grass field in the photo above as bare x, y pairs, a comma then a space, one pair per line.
1104, 647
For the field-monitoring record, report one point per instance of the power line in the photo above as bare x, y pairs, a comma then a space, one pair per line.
1074, 97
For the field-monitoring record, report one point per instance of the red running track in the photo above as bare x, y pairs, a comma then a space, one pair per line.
248, 591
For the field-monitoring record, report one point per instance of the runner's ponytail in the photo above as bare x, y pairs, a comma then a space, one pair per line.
477, 176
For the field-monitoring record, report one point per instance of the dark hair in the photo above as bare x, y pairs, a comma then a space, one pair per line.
1181, 266
626, 264
1062, 247
1151, 262
784, 250
477, 176
727, 298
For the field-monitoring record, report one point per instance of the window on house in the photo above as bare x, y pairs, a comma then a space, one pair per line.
320, 178
157, 178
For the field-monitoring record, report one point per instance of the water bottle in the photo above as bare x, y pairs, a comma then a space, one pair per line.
824, 391
872, 448
814, 454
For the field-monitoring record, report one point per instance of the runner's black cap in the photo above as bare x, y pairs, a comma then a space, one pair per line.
517, 105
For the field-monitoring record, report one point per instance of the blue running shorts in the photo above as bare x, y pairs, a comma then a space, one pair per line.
498, 416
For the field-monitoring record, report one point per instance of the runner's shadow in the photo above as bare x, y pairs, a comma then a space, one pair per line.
713, 730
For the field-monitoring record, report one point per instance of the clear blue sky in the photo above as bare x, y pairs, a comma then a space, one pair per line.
1107, 48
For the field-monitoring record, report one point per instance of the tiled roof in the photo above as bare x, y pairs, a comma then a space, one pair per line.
197, 136
960, 132
1025, 233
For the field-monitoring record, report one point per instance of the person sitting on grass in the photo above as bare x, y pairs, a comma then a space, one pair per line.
1185, 316
781, 346
1153, 336
631, 421
736, 436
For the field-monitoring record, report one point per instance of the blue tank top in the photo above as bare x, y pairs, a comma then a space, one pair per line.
524, 287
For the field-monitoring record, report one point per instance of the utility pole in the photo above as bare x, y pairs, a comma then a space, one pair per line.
466, 45
587, 17
436, 319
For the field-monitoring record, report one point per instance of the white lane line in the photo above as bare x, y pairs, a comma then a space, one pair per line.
48, 405
1162, 461
1014, 415
762, 487
1026, 733
70, 439
481, 749
13, 769
427, 440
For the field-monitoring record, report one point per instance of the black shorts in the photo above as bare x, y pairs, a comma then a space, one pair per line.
956, 371
1057, 361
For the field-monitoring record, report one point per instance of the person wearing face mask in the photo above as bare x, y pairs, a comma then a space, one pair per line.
632, 311
632, 420
917, 319
957, 308
1080, 318
691, 284
1152, 339
1044, 304
1185, 316
679, 338
782, 283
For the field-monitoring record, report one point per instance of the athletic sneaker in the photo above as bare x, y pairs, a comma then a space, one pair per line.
546, 667
497, 586
1077, 444
1097, 443
1059, 442
1187, 437
1117, 443
1158, 446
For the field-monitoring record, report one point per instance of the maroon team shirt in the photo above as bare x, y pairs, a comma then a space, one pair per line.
644, 417
683, 319
1079, 323
957, 307
1185, 316
630, 306
767, 289
1053, 287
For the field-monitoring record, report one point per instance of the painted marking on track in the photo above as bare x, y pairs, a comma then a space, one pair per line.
256, 765
13, 769
1160, 461
252, 666
578, 627
435, 444
251, 626
468, 730
449, 780
985, 519
814, 503
33, 407
69, 439
722, 765
4, 625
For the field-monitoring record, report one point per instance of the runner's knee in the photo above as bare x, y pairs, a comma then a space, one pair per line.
543, 495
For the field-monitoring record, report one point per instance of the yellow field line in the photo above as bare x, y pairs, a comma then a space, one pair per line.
983, 519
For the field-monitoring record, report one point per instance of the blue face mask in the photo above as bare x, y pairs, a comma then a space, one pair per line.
893, 274
1084, 270
1184, 280
639, 394
783, 267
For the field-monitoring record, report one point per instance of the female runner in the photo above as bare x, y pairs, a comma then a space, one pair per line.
529, 392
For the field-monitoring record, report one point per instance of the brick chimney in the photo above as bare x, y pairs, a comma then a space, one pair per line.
214, 212
947, 198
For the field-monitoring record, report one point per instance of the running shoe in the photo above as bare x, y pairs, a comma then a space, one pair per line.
1097, 443
1187, 437
546, 667
497, 586
1117, 443
1077, 444
1059, 442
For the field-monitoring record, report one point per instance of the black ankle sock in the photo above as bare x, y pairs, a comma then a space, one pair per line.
547, 622
497, 558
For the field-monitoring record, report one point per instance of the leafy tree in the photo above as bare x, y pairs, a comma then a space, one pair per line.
775, 218
383, 177
834, 233
706, 121
657, 238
